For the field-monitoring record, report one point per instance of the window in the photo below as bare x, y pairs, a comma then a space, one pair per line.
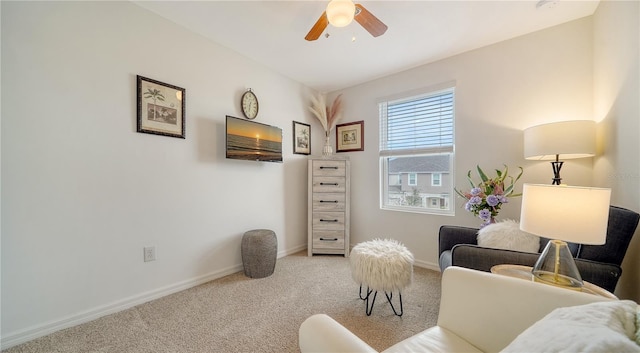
417, 138
413, 179
436, 179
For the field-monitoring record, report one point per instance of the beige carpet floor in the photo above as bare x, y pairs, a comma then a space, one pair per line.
239, 314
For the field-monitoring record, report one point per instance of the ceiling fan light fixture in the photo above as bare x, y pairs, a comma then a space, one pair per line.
340, 12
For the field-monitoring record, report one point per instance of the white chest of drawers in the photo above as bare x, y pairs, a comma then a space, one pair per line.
329, 186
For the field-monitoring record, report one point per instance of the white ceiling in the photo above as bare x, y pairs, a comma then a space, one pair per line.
272, 33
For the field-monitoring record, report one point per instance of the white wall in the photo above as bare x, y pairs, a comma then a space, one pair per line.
617, 107
83, 192
500, 90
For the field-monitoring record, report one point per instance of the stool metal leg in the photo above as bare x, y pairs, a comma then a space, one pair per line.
389, 297
360, 293
368, 308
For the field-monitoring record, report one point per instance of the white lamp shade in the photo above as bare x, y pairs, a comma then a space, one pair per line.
568, 139
569, 213
340, 12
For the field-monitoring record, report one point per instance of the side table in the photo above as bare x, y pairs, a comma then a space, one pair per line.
259, 252
524, 272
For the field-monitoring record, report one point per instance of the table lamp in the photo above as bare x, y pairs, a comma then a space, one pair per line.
564, 214
565, 139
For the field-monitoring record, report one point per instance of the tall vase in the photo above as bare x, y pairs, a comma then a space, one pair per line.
327, 150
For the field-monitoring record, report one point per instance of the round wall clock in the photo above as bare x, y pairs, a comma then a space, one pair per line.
249, 103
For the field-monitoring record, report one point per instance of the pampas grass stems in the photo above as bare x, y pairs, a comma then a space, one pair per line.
328, 116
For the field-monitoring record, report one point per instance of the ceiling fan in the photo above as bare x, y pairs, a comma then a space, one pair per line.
340, 13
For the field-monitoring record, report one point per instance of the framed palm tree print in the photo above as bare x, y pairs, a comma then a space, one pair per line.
301, 138
160, 108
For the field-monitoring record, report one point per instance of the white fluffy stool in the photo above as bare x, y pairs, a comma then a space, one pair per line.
382, 265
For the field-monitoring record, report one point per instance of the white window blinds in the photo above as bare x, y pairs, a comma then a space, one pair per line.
417, 125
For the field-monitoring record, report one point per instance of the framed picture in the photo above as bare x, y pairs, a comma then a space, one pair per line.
350, 137
301, 138
160, 108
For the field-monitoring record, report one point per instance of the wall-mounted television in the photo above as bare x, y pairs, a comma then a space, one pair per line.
252, 141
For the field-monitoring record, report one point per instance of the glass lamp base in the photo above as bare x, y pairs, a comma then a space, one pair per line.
557, 280
556, 267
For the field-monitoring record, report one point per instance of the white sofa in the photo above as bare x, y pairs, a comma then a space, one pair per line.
479, 312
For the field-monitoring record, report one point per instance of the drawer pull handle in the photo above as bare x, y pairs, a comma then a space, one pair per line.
329, 201
328, 220
329, 239
328, 167
334, 184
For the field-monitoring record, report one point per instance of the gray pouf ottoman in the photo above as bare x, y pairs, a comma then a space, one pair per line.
259, 252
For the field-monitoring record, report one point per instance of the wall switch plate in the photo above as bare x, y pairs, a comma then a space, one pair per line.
149, 253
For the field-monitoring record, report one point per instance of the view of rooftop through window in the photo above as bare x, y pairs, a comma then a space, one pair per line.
416, 148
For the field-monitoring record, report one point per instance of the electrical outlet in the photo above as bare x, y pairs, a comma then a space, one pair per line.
149, 253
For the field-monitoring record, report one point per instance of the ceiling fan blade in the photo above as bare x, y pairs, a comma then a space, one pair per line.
318, 28
370, 22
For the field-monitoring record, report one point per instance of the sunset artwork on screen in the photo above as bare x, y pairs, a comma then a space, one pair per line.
253, 141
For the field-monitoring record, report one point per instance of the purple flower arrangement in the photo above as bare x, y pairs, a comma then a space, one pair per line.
486, 198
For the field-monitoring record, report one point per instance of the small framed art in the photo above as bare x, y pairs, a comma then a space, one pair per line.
350, 137
301, 138
160, 108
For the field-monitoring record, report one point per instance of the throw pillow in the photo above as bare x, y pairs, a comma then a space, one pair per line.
607, 326
507, 235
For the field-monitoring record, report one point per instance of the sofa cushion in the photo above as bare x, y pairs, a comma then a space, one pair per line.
435, 339
507, 235
608, 326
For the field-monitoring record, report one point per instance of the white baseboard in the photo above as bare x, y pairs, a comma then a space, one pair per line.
427, 265
291, 251
28, 334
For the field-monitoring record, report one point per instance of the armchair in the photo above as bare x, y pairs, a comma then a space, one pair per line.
598, 264
479, 312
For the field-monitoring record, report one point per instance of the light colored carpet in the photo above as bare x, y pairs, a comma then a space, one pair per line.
239, 314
